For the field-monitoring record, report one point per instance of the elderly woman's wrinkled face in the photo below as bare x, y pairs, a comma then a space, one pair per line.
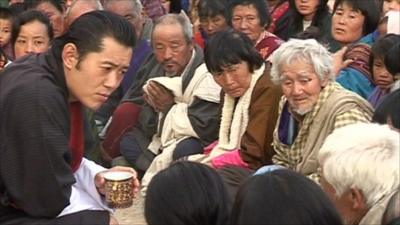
301, 86
234, 79
347, 24
245, 18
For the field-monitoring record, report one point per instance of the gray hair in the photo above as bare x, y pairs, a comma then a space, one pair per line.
137, 6
363, 156
180, 19
309, 51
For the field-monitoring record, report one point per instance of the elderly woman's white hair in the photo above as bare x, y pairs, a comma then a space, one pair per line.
363, 156
310, 51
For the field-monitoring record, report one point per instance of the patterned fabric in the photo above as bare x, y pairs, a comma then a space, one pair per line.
267, 43
153, 8
277, 13
291, 156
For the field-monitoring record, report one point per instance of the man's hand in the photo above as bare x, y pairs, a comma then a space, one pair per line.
160, 98
100, 181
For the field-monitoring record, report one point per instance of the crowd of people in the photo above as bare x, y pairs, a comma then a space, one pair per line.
225, 111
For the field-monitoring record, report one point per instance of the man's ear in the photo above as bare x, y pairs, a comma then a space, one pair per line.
358, 200
70, 55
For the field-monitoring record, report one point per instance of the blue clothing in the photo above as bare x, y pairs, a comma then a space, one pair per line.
355, 81
370, 38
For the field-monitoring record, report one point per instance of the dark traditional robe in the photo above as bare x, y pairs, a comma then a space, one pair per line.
35, 158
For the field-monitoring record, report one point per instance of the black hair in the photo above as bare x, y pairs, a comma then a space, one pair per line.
6, 13
212, 8
296, 19
228, 48
28, 17
392, 59
35, 3
381, 48
369, 9
259, 5
186, 193
388, 108
88, 31
282, 197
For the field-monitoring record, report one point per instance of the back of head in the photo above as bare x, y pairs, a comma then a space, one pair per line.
89, 30
80, 7
392, 59
387, 112
362, 156
282, 197
186, 193
228, 48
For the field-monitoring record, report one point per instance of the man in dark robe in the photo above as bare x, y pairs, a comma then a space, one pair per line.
44, 178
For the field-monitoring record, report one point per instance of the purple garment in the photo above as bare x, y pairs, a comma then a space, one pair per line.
140, 53
153, 8
377, 96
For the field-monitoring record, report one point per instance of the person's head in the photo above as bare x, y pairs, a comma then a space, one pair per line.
390, 5
80, 7
302, 68
52, 9
132, 10
387, 112
353, 19
31, 33
309, 9
186, 193
382, 77
96, 52
172, 41
6, 22
213, 15
360, 166
392, 59
282, 197
250, 17
232, 67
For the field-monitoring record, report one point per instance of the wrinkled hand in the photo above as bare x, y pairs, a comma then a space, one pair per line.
338, 63
100, 181
160, 98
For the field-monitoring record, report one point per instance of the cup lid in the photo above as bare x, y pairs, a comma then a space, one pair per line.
117, 175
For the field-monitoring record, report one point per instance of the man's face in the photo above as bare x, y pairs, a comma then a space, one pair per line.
350, 211
92, 80
56, 17
301, 86
126, 10
171, 48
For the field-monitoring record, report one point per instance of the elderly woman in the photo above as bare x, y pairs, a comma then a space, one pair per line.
32, 33
313, 104
250, 104
252, 17
351, 20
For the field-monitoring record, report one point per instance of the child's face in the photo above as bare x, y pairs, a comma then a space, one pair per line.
382, 77
5, 31
390, 5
